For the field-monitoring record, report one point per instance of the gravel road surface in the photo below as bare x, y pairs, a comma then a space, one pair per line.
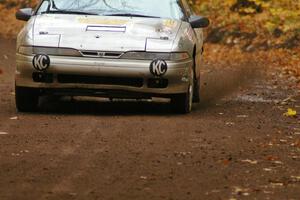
236, 144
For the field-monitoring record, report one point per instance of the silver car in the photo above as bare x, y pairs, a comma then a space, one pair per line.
110, 48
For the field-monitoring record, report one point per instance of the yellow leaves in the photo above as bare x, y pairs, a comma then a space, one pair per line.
284, 17
262, 3
229, 3
276, 11
248, 10
270, 26
284, 12
290, 113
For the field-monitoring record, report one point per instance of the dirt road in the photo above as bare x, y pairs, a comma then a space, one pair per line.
235, 145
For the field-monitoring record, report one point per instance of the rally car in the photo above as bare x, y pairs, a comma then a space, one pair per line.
116, 49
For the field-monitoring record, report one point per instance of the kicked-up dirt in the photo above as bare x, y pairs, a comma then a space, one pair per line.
236, 144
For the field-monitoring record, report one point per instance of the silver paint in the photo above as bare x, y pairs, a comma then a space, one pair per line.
110, 34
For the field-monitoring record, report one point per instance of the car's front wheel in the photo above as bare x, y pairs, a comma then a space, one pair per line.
27, 99
183, 103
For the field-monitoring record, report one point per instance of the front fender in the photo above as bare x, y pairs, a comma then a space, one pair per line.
185, 40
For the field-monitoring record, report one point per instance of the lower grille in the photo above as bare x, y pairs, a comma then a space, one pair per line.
42, 77
158, 83
134, 82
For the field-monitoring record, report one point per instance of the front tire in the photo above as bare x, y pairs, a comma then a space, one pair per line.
27, 99
183, 103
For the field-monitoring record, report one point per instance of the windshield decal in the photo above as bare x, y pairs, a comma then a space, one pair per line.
107, 28
118, 22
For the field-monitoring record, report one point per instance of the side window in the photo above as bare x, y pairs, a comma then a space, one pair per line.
43, 7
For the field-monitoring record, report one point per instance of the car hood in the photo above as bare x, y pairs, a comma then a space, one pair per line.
107, 33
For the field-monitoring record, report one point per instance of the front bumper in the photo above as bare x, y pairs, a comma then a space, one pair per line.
177, 74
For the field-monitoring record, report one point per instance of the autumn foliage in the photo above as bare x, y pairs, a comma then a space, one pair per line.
265, 31
260, 23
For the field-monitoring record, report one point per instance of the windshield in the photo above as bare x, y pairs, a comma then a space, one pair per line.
151, 8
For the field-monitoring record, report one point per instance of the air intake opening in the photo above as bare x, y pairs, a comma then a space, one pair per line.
90, 53
80, 79
100, 54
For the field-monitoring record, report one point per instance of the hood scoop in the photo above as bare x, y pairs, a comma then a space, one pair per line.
118, 29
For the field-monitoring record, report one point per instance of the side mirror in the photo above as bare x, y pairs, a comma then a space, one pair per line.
24, 14
199, 22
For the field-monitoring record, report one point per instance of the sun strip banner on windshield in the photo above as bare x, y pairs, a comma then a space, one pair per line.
118, 22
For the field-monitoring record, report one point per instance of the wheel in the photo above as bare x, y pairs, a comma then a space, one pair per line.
196, 98
27, 99
183, 103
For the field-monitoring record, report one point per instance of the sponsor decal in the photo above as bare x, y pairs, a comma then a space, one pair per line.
158, 67
170, 23
102, 21
41, 62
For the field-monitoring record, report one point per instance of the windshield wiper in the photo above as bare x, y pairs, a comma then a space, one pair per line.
130, 15
68, 12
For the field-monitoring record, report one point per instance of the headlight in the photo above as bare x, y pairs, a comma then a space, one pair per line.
152, 55
29, 50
